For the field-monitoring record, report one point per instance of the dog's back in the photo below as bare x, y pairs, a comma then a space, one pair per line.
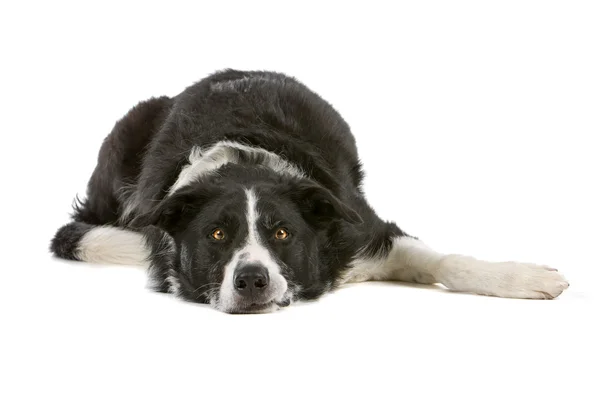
147, 149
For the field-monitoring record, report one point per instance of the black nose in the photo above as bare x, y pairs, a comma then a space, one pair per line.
251, 279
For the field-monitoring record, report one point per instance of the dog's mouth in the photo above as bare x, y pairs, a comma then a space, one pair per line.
256, 308
260, 308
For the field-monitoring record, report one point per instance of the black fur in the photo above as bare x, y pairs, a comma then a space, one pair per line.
326, 210
65, 241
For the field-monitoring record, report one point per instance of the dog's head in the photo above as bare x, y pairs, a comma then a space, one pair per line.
250, 242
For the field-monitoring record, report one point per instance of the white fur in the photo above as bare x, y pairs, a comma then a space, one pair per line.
253, 251
110, 245
502, 279
202, 163
224, 152
411, 260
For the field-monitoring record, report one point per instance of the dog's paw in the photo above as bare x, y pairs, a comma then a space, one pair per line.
532, 281
504, 279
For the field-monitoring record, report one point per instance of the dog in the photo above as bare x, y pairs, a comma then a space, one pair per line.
244, 192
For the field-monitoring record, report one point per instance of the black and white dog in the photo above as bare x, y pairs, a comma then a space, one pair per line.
244, 192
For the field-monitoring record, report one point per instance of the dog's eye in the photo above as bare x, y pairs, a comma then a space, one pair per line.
218, 234
281, 234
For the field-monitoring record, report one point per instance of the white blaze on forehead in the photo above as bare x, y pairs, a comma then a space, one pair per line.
252, 251
251, 214
255, 252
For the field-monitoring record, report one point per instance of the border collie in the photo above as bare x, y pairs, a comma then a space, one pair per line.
244, 192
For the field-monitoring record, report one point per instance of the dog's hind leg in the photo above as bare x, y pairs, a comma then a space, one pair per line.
410, 260
119, 162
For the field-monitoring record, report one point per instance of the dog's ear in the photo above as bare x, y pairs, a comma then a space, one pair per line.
164, 271
174, 212
320, 206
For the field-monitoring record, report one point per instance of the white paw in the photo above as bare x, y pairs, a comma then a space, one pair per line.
503, 279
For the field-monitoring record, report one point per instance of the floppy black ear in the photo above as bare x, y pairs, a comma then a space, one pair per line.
164, 273
320, 206
174, 212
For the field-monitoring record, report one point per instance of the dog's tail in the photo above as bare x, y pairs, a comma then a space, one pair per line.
101, 244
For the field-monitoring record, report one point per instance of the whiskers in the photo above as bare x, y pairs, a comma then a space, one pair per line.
211, 291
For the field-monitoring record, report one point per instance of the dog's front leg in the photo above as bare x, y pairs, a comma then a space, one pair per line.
411, 260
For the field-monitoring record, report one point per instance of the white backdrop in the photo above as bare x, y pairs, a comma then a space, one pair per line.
477, 123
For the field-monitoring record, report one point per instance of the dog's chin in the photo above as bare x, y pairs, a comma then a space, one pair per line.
256, 308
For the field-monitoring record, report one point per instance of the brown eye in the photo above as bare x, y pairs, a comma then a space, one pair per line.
218, 234
281, 234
